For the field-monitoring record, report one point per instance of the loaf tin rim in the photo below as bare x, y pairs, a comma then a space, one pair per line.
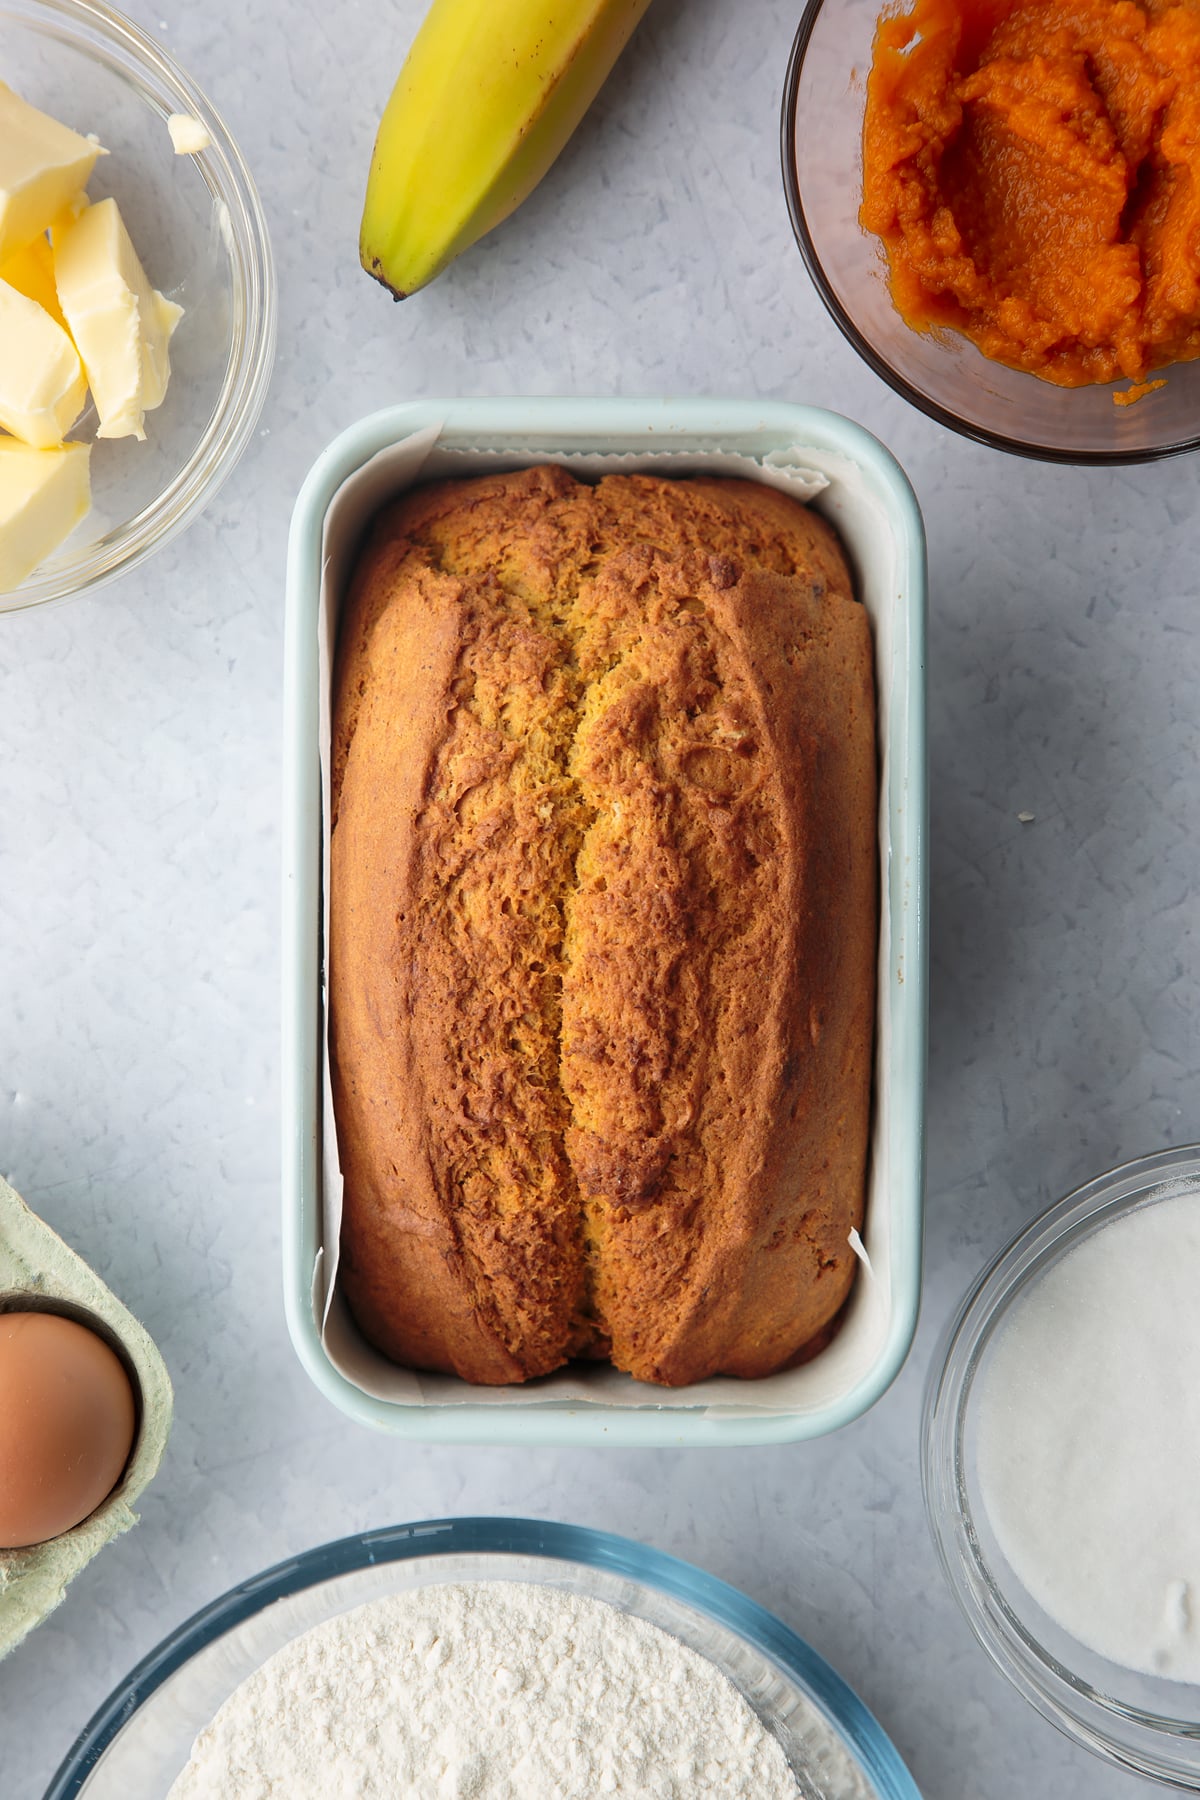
600, 425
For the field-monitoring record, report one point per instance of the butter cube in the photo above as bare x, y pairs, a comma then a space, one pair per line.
189, 136
31, 272
43, 496
43, 165
121, 325
42, 389
63, 220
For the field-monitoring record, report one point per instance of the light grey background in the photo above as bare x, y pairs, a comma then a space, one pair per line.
139, 853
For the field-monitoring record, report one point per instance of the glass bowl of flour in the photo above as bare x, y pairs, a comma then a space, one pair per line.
474, 1659
1061, 1464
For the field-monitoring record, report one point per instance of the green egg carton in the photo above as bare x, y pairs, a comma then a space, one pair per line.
38, 1273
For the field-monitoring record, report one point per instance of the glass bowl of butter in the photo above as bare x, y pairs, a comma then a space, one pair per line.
137, 299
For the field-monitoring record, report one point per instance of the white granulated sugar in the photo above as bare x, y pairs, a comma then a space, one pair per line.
1089, 1439
486, 1691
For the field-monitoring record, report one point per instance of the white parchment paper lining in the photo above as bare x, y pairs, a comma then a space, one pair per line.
806, 473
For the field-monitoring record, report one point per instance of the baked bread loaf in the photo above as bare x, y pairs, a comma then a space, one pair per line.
603, 926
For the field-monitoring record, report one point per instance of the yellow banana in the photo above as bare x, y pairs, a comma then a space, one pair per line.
489, 94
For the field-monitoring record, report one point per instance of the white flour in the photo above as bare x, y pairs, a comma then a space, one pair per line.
486, 1691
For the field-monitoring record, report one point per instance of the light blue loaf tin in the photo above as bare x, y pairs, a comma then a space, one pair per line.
870, 502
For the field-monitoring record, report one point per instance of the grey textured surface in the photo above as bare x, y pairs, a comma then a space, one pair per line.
139, 782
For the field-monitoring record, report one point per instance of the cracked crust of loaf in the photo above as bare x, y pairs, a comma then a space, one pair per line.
603, 926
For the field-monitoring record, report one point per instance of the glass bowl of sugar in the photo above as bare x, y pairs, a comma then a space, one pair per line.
1061, 1464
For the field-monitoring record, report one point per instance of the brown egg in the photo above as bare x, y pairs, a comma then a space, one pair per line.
67, 1421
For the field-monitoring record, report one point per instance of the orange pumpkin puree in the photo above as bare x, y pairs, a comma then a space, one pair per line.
1033, 168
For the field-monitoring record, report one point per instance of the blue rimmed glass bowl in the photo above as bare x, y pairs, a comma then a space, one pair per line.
141, 1737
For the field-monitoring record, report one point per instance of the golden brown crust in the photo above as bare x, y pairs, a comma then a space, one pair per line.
603, 926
